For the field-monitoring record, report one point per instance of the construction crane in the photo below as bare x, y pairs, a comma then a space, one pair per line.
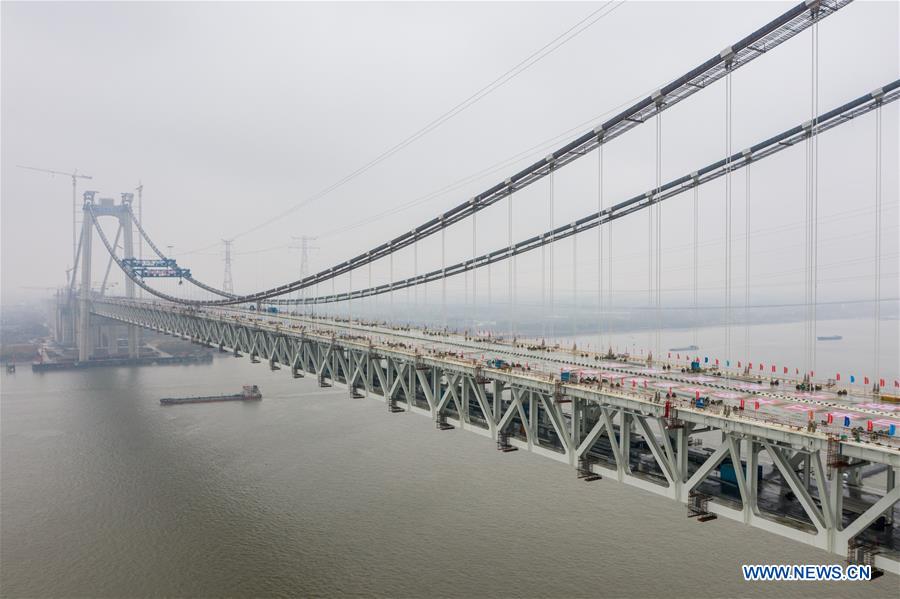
75, 176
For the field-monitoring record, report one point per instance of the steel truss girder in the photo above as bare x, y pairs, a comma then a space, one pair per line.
618, 415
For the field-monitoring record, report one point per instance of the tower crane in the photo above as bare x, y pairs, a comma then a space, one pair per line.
75, 176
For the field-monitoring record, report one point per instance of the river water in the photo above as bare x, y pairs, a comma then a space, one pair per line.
105, 493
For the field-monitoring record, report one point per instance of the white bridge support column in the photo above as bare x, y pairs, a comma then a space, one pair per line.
85, 339
128, 241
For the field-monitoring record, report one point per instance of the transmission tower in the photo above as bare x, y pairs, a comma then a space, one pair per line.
304, 248
228, 284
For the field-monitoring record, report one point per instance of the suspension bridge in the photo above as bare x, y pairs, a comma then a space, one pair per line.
787, 449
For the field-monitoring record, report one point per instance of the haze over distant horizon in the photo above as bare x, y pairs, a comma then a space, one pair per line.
230, 114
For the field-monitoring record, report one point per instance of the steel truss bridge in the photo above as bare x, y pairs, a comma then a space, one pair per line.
664, 446
807, 479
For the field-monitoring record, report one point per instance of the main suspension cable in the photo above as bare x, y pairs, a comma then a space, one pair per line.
769, 36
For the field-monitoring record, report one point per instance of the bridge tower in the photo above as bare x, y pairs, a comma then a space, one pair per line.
87, 330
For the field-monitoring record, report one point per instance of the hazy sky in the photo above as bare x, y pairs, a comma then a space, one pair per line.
230, 113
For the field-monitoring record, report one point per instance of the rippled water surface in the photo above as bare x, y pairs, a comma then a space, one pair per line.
105, 493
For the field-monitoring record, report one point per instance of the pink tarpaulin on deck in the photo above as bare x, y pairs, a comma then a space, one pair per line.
693, 390
884, 407
816, 396
665, 385
613, 375
751, 387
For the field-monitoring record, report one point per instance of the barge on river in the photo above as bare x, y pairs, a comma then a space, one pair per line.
249, 393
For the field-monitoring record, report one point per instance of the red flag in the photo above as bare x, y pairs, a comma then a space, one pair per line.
811, 417
742, 404
838, 376
679, 356
812, 373
896, 383
865, 380
755, 405
796, 371
785, 370
739, 363
869, 425
830, 418
717, 361
750, 365
881, 382
760, 366
773, 368
670, 354
633, 384
696, 395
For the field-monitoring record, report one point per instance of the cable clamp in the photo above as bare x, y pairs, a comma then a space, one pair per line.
598, 130
550, 158
877, 94
748, 154
657, 97
727, 54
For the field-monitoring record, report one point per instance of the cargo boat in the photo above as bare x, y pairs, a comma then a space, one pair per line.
249, 393
829, 338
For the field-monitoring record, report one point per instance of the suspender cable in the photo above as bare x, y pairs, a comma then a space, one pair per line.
651, 237
444, 277
806, 259
392, 286
574, 287
466, 283
728, 212
600, 255
416, 273
544, 283
550, 288
696, 256
814, 188
747, 263
509, 267
878, 211
475, 272
658, 232
609, 269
